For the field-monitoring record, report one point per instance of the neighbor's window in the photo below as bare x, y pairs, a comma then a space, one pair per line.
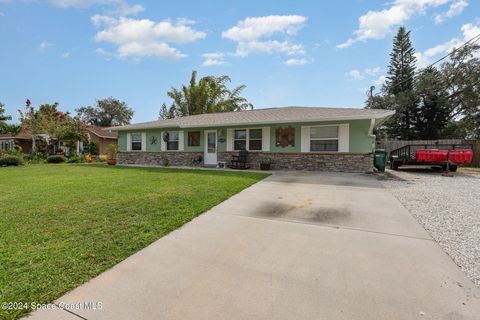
240, 139
6, 145
136, 141
255, 139
194, 139
172, 143
324, 138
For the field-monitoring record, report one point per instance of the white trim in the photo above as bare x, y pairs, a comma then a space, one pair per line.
305, 139
344, 137
144, 141
229, 139
199, 125
129, 141
163, 144
181, 140
266, 139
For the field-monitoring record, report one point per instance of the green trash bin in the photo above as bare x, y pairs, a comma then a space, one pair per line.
380, 159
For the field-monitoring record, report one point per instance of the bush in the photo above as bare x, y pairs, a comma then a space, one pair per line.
11, 161
75, 159
56, 159
35, 158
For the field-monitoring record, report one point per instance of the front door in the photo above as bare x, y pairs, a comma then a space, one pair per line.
210, 147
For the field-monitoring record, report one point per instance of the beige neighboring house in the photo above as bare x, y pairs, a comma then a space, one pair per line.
102, 137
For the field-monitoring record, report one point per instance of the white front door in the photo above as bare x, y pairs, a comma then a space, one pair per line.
210, 147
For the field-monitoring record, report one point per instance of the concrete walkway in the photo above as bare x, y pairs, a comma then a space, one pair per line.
294, 246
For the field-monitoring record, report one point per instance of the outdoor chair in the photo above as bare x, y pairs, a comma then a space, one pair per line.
240, 161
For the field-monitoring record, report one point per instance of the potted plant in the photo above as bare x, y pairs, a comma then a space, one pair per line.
112, 154
266, 163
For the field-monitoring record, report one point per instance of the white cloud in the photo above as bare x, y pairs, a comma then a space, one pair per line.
66, 55
428, 56
356, 74
380, 81
456, 8
144, 37
121, 7
107, 55
213, 59
254, 34
296, 62
377, 24
44, 46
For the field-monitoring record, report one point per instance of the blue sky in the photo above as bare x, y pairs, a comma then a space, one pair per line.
312, 53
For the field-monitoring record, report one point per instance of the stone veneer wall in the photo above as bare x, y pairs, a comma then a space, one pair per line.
332, 161
340, 162
176, 158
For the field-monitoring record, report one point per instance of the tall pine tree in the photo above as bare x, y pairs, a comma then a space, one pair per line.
400, 87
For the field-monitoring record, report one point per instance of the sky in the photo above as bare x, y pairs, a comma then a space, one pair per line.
287, 53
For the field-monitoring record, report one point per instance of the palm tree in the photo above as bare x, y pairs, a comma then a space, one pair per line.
209, 95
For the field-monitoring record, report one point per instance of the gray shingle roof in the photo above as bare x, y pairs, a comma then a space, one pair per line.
263, 116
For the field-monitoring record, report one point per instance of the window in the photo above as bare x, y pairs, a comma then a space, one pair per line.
6, 145
255, 139
247, 139
240, 139
172, 142
194, 139
324, 138
136, 141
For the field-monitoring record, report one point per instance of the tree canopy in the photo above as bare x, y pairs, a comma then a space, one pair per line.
210, 94
108, 112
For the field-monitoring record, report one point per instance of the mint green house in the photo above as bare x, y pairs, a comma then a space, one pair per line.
292, 138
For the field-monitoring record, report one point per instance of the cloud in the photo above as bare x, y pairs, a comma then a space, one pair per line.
428, 56
380, 81
213, 59
377, 24
107, 55
121, 7
296, 62
356, 74
66, 55
254, 35
456, 8
143, 37
44, 46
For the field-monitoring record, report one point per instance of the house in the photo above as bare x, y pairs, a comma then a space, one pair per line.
294, 138
102, 137
24, 139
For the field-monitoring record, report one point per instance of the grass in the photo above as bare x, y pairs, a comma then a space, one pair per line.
470, 170
61, 225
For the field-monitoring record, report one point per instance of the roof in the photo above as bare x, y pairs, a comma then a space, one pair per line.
24, 135
102, 132
262, 116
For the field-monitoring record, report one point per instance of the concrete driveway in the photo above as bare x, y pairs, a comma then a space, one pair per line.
294, 246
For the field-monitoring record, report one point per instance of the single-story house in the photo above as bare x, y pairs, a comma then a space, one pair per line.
102, 137
294, 138
24, 139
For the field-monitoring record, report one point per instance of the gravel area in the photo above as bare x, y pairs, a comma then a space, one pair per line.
448, 208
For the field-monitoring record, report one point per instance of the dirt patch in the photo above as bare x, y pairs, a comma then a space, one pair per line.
329, 215
273, 209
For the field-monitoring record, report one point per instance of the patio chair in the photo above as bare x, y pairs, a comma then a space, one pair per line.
240, 161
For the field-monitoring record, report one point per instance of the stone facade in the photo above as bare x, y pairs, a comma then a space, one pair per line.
332, 161
175, 158
339, 162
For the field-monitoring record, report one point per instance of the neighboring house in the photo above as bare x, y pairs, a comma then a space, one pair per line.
295, 138
102, 137
23, 139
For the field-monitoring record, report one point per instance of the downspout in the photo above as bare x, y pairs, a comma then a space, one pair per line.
370, 133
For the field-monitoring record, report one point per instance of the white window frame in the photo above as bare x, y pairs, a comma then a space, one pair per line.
3, 144
177, 141
325, 139
247, 139
132, 141
343, 138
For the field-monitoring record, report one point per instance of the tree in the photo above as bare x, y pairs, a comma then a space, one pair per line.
209, 95
4, 126
400, 85
433, 109
108, 112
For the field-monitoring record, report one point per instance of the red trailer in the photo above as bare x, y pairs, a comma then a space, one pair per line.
447, 156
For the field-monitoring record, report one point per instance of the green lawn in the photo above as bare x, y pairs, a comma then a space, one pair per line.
61, 225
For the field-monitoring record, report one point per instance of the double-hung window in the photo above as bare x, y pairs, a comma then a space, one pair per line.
324, 138
172, 142
240, 139
136, 141
247, 139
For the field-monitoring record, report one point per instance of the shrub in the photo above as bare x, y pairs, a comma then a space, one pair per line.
35, 158
165, 162
56, 159
75, 159
11, 161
